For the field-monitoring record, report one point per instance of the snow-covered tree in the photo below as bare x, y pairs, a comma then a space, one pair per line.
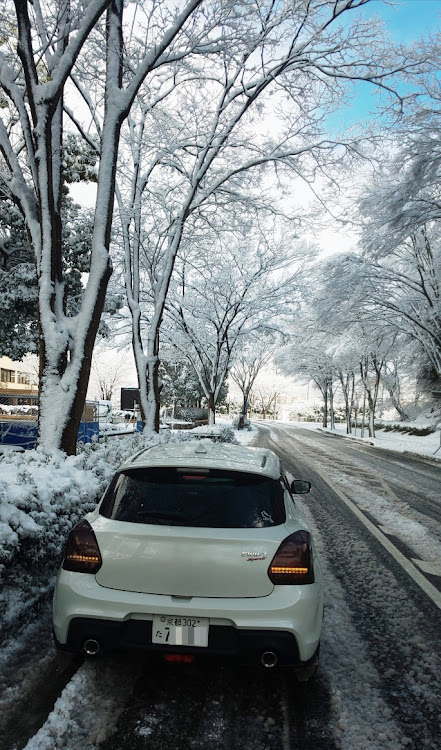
370, 371
239, 288
76, 65
58, 47
345, 357
307, 357
18, 277
398, 289
253, 356
395, 368
264, 400
191, 152
179, 382
405, 193
110, 371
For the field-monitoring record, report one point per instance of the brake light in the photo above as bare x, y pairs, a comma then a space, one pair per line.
82, 554
179, 658
292, 563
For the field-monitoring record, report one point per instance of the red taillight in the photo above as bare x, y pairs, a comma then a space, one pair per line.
82, 554
292, 563
179, 658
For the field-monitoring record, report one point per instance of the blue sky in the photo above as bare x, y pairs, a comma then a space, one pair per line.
406, 21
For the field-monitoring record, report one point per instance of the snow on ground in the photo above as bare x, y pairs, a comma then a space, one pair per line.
423, 445
361, 717
88, 708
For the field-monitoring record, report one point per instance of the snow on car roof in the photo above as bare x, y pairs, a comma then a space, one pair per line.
210, 455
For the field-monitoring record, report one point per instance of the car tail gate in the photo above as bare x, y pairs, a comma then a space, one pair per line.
173, 561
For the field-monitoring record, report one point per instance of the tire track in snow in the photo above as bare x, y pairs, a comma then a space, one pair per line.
88, 708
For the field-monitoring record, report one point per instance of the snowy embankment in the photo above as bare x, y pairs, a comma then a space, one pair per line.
42, 494
392, 438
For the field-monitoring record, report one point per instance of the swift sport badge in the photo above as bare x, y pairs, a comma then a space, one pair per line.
254, 556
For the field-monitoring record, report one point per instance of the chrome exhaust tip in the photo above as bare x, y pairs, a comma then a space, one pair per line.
91, 647
269, 659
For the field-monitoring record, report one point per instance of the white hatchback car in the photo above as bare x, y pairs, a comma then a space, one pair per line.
196, 549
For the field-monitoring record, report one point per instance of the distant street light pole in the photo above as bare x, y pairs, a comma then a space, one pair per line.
437, 395
173, 409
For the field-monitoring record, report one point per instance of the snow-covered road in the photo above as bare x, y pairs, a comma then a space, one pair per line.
381, 647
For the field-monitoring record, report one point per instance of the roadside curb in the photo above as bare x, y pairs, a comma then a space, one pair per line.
354, 438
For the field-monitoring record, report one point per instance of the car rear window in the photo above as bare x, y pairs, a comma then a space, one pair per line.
194, 497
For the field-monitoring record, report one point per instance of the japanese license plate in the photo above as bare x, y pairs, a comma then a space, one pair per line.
180, 631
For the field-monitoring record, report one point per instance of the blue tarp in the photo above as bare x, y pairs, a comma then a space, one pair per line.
25, 433
89, 432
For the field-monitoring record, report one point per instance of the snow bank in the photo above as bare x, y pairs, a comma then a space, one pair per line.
88, 708
42, 494
388, 439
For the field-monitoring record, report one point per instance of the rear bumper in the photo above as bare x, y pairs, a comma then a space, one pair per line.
224, 641
288, 621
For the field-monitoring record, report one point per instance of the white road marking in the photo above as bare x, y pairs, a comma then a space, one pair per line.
431, 591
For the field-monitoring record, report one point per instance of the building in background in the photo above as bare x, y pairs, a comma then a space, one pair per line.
18, 383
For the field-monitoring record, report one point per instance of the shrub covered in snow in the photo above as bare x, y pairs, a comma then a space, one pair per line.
191, 413
43, 494
216, 433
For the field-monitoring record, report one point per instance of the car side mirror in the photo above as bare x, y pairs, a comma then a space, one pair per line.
300, 486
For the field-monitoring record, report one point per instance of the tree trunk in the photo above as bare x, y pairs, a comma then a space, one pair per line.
363, 416
211, 409
325, 407
66, 350
371, 417
152, 418
348, 386
397, 405
331, 406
